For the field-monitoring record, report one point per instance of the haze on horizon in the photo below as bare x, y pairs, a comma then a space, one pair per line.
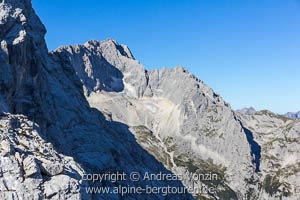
247, 51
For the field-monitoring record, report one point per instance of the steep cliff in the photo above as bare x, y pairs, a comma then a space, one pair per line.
278, 138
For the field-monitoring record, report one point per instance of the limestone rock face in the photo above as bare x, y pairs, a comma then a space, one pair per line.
188, 127
93, 108
278, 138
174, 115
68, 138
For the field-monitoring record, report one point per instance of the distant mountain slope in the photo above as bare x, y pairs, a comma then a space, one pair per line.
247, 111
293, 115
279, 139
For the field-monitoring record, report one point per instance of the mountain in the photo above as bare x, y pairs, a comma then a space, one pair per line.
252, 111
293, 115
173, 114
247, 111
180, 120
278, 140
50, 136
94, 109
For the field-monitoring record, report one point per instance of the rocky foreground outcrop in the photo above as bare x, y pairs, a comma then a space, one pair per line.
30, 166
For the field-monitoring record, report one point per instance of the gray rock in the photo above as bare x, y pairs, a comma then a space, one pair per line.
52, 168
44, 103
21, 176
247, 111
6, 148
49, 125
61, 187
30, 166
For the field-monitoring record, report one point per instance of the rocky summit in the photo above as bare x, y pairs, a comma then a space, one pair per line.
94, 109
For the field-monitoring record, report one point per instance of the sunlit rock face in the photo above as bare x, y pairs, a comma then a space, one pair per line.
50, 136
30, 167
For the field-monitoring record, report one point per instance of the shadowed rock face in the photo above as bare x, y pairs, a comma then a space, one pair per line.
41, 90
93, 70
255, 149
22, 50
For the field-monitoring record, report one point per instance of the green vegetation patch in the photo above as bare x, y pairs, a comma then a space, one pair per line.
223, 191
274, 187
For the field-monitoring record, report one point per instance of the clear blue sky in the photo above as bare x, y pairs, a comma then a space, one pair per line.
246, 50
